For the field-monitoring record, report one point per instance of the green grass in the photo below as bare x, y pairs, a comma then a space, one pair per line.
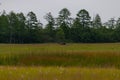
79, 55
60, 62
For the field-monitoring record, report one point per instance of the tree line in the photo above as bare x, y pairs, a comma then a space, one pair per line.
18, 28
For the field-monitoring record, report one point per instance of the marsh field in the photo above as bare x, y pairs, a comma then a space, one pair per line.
60, 62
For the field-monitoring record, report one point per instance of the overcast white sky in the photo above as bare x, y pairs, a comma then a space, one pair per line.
106, 8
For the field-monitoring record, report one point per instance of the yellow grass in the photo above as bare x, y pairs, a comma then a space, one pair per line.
97, 61
58, 73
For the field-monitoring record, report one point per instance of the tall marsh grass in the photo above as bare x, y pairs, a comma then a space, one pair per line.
80, 55
58, 73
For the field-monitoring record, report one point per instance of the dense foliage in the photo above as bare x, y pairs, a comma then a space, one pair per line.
18, 28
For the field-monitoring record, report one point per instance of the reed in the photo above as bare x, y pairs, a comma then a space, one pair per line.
82, 55
58, 73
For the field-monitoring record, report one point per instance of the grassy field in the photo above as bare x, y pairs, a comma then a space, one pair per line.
82, 55
58, 73
60, 62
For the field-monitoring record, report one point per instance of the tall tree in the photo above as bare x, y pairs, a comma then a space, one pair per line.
118, 23
97, 22
33, 27
80, 27
4, 23
110, 24
49, 29
64, 21
32, 21
13, 25
76, 31
117, 30
21, 30
84, 17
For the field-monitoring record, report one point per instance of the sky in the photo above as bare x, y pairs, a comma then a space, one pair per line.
105, 8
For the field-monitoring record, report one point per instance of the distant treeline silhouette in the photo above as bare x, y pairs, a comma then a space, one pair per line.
17, 28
